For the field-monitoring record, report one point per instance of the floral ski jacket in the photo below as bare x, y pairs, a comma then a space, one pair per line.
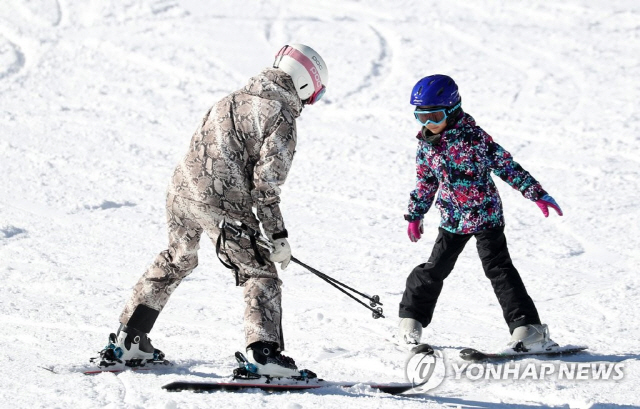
459, 165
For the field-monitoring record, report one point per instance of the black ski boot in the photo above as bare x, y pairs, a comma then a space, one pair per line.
268, 360
128, 346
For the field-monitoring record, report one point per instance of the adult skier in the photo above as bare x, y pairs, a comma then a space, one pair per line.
455, 158
237, 160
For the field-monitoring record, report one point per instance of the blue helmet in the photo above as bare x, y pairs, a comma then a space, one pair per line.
435, 90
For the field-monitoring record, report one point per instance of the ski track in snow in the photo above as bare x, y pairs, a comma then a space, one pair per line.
99, 101
45, 13
16, 60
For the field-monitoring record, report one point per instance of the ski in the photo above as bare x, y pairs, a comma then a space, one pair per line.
279, 385
471, 354
245, 377
92, 369
155, 365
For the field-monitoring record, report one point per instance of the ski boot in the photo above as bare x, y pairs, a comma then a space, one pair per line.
409, 331
531, 338
129, 347
263, 358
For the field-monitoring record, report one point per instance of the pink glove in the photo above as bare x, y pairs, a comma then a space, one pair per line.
545, 203
415, 230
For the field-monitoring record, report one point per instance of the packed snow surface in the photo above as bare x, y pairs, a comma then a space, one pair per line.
98, 103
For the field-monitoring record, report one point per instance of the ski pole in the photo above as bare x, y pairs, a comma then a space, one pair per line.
241, 230
374, 300
262, 242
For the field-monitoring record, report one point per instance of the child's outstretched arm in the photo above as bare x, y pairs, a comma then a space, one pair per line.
516, 176
421, 198
503, 165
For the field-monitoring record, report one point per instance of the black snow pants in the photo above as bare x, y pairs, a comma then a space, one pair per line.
425, 282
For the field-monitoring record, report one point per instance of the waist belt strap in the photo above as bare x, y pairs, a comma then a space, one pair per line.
219, 243
254, 246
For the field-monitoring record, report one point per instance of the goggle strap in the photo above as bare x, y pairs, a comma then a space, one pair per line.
280, 54
451, 110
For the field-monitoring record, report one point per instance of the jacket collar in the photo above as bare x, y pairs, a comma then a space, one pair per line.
277, 85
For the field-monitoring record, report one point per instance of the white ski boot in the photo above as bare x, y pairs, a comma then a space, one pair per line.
531, 338
129, 347
409, 331
270, 362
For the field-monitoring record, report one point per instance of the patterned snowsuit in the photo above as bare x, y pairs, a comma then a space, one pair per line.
458, 163
238, 157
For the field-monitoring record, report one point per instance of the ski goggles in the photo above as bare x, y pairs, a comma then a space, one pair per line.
316, 96
433, 116
318, 87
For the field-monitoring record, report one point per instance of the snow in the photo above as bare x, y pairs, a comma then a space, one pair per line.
99, 100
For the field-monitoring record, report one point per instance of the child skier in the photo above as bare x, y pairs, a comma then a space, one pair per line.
455, 157
237, 160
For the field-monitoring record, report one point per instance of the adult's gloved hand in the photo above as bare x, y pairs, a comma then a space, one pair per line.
281, 252
545, 203
415, 230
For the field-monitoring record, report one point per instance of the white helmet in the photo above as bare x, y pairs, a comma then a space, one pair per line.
306, 68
